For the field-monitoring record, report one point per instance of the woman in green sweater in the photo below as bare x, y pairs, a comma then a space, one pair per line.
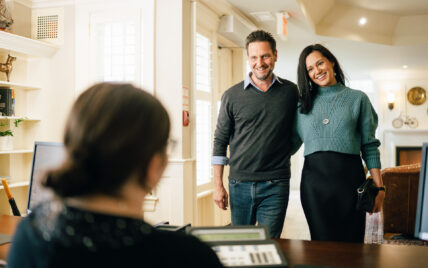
337, 125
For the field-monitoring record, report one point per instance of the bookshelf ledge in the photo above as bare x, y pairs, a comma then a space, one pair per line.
20, 44
17, 152
18, 86
25, 118
16, 184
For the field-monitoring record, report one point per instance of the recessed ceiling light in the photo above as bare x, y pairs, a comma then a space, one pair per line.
405, 66
362, 21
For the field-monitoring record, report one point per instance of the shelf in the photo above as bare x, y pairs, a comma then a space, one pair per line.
20, 44
25, 118
18, 86
17, 152
406, 130
15, 184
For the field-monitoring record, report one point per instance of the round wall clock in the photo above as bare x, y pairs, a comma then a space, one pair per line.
397, 122
416, 95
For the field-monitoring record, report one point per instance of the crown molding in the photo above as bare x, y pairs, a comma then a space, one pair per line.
27, 3
45, 3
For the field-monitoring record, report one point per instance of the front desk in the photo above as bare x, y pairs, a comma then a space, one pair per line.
299, 253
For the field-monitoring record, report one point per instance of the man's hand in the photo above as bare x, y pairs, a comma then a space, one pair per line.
221, 197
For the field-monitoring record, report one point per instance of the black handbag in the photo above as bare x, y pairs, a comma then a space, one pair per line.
367, 193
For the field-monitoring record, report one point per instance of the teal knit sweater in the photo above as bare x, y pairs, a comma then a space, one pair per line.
351, 128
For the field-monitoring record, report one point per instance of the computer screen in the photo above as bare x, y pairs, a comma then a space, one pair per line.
46, 155
421, 225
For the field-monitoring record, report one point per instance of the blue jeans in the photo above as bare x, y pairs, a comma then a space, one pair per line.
265, 202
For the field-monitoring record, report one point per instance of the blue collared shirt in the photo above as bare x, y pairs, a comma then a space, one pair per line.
223, 160
248, 81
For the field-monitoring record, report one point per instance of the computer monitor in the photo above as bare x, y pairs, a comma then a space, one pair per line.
421, 225
46, 155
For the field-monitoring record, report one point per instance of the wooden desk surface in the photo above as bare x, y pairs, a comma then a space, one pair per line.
313, 252
334, 254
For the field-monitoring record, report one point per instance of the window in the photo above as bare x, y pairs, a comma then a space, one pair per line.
203, 109
203, 142
115, 46
203, 63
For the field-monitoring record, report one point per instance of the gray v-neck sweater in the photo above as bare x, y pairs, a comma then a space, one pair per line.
257, 127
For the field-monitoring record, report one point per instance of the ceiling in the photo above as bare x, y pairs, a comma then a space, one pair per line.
396, 33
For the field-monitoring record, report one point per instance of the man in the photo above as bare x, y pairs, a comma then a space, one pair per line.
255, 121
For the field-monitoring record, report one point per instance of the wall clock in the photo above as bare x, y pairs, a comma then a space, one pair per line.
397, 122
416, 95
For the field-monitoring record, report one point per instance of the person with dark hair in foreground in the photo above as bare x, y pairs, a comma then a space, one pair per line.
115, 138
337, 124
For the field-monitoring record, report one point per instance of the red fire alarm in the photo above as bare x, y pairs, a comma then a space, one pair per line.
186, 118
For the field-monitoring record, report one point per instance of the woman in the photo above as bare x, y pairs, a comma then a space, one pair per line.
337, 125
115, 139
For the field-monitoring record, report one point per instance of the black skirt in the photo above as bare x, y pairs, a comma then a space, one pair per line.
329, 195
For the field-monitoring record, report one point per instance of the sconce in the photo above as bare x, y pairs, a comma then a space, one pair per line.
390, 98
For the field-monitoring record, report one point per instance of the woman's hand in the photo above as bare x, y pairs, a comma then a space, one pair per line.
378, 205
377, 178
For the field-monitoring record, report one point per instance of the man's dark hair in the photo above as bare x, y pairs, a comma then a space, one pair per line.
260, 36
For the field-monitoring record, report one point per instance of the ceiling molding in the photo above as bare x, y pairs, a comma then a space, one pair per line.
45, 3
222, 7
27, 3
315, 11
333, 19
411, 30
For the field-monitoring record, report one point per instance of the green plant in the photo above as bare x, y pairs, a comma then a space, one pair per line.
8, 131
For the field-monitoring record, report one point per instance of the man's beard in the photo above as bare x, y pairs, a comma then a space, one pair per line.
263, 78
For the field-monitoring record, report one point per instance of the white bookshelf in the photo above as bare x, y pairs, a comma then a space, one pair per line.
16, 164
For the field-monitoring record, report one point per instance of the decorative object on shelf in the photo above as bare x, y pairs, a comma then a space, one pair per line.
5, 18
7, 66
397, 122
6, 135
404, 118
401, 120
7, 101
416, 95
6, 143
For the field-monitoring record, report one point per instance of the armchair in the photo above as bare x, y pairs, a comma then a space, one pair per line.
399, 207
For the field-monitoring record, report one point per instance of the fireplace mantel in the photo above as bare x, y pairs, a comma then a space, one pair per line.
393, 138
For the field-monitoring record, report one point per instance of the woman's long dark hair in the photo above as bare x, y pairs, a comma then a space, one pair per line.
113, 131
308, 90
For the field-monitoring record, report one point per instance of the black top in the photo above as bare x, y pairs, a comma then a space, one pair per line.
57, 235
257, 127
